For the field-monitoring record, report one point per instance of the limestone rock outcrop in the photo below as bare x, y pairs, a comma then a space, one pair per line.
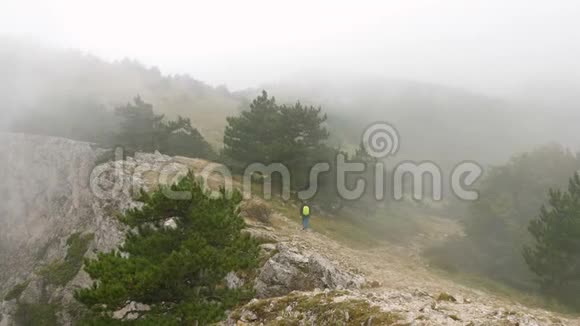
292, 269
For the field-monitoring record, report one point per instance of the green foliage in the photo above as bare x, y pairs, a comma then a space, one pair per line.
75, 91
272, 133
178, 272
496, 224
143, 130
432, 120
37, 314
186, 141
62, 272
554, 257
16, 291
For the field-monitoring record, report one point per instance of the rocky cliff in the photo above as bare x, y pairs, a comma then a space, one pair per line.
45, 202
44, 198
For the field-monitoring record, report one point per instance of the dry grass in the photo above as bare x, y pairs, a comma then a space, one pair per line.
257, 210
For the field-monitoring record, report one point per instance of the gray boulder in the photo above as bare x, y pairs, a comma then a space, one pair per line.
294, 270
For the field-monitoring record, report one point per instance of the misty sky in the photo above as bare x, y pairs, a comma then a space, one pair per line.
485, 45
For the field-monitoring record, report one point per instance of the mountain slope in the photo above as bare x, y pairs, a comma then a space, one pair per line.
49, 209
56, 83
58, 89
401, 290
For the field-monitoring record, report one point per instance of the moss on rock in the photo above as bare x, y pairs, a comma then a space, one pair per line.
61, 272
325, 308
37, 314
16, 291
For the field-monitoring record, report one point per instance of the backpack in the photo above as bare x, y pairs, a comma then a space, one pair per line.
305, 211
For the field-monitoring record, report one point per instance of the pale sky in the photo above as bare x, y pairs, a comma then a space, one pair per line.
485, 45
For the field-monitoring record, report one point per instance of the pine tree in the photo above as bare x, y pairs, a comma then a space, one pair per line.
271, 133
141, 129
253, 136
555, 255
186, 141
177, 271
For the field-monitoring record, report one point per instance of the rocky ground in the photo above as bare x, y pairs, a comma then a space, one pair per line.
397, 291
386, 285
58, 190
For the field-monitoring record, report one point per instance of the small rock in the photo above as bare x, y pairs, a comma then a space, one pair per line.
170, 223
233, 281
268, 246
249, 316
126, 313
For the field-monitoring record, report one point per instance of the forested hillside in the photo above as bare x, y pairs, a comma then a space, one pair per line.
67, 93
437, 123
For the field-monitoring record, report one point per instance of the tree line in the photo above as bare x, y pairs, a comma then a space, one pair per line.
524, 231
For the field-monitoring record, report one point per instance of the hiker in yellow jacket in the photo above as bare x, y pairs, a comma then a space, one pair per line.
305, 213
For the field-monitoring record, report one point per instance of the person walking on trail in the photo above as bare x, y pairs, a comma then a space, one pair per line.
305, 213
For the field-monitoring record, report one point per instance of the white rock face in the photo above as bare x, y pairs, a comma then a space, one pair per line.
293, 270
52, 188
44, 198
